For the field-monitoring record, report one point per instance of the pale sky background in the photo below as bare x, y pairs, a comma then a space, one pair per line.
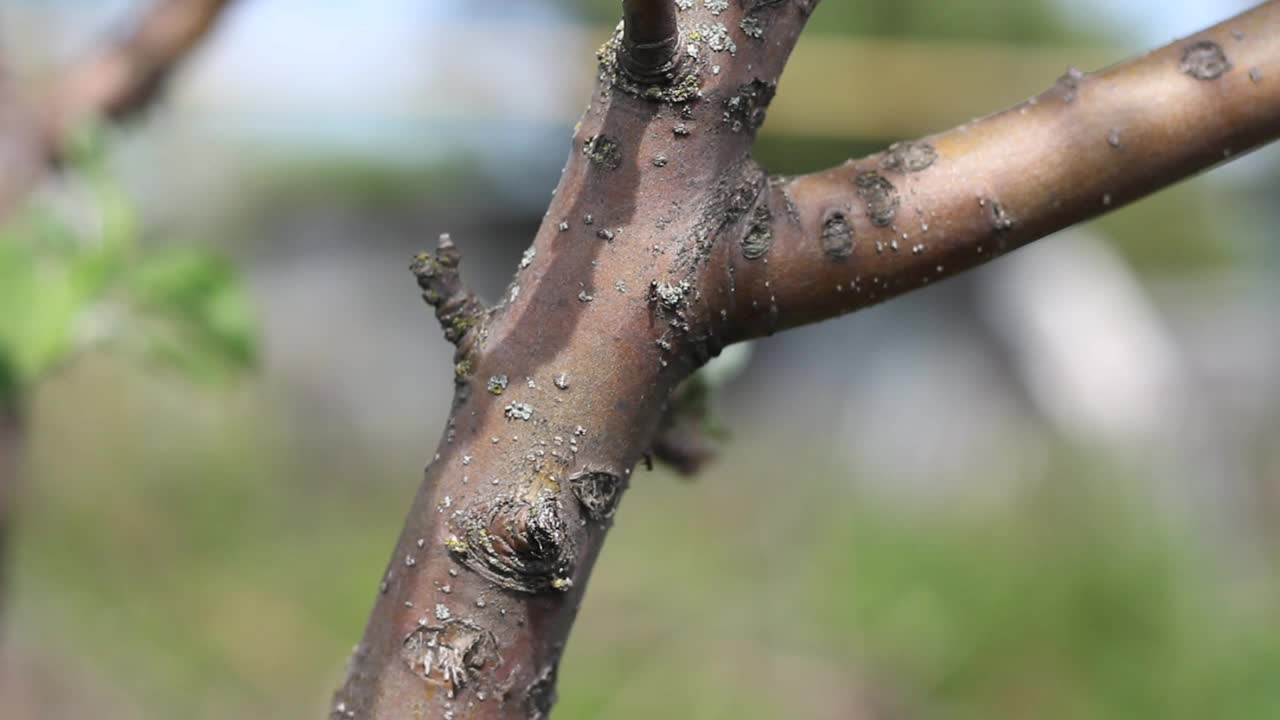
411, 81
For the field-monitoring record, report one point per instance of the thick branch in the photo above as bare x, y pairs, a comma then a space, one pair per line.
854, 235
116, 81
567, 382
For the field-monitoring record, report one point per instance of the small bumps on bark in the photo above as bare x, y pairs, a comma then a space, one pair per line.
458, 310
516, 543
598, 492
1204, 60
909, 156
1001, 220
671, 297
603, 151
1069, 83
880, 197
745, 110
759, 236
837, 235
449, 652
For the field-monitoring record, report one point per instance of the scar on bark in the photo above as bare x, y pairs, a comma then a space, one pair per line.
451, 652
521, 544
458, 309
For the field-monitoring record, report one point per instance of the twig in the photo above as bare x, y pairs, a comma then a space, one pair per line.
650, 39
115, 82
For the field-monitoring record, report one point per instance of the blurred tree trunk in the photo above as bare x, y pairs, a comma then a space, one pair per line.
12, 439
664, 242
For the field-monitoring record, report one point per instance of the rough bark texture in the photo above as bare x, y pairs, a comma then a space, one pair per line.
922, 210
120, 79
664, 242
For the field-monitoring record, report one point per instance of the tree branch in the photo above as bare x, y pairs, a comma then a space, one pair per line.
663, 242
123, 78
117, 81
567, 383
459, 311
650, 39
832, 242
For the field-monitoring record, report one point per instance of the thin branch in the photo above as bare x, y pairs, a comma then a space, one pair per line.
120, 79
650, 40
123, 78
457, 308
21, 147
835, 241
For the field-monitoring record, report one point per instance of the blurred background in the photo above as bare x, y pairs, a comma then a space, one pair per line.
1048, 489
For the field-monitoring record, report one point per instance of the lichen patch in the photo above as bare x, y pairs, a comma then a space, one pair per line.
909, 156
880, 197
604, 151
1204, 60
745, 109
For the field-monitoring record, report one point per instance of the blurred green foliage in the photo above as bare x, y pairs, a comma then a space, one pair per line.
74, 277
738, 596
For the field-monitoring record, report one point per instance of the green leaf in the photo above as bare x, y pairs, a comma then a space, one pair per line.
192, 313
37, 307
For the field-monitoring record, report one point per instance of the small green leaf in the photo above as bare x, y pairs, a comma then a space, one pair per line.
193, 314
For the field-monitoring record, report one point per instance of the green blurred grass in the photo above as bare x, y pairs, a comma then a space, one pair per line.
177, 546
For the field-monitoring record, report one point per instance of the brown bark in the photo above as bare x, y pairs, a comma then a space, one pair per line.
663, 242
923, 210
118, 80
